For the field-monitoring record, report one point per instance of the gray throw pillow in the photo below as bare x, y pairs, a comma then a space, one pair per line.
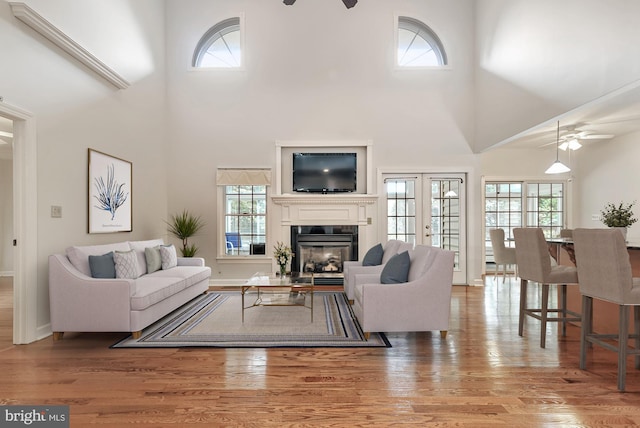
102, 266
373, 256
396, 270
153, 258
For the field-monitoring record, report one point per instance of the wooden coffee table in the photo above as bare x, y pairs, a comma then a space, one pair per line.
277, 291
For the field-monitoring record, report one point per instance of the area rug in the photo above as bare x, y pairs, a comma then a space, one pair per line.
215, 320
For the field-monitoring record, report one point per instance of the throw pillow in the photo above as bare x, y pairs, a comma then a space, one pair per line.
396, 270
102, 266
373, 256
169, 256
153, 258
126, 264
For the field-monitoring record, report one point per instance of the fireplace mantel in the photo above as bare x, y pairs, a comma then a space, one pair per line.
325, 199
325, 209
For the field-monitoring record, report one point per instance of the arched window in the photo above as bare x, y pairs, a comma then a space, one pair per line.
418, 45
220, 46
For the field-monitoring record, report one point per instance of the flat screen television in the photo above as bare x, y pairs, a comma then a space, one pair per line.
324, 172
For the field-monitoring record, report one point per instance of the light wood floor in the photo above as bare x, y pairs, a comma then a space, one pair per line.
481, 375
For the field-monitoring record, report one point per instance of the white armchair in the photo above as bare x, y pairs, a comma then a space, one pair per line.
421, 304
352, 268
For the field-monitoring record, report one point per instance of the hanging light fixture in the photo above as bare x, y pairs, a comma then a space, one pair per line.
557, 167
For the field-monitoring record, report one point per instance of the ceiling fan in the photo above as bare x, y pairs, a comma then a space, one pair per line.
571, 137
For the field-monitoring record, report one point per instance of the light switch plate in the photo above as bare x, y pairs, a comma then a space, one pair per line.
56, 211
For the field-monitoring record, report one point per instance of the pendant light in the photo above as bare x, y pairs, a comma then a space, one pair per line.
557, 167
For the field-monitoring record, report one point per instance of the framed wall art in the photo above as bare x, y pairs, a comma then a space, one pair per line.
109, 193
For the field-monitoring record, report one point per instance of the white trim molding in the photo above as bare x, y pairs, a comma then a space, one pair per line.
34, 20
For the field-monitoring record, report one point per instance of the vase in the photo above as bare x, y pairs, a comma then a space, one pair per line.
283, 270
622, 230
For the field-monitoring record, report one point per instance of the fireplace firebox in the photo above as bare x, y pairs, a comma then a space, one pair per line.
321, 250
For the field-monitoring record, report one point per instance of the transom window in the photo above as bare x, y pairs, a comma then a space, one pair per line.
418, 45
220, 46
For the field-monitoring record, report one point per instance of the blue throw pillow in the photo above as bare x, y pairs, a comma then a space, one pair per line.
396, 270
102, 266
373, 256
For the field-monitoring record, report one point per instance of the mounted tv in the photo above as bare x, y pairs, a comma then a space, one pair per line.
324, 172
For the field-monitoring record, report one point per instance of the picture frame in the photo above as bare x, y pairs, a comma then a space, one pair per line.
110, 193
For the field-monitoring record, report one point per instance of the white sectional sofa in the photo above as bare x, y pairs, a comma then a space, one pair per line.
82, 303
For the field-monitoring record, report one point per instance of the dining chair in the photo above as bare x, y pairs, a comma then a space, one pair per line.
534, 264
605, 274
566, 233
502, 255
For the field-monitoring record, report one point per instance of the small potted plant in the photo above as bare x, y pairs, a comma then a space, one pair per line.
619, 215
184, 226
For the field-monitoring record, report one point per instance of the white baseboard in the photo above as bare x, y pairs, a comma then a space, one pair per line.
6, 273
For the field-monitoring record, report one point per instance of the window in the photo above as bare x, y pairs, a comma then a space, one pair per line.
418, 45
245, 219
521, 204
401, 210
220, 46
242, 216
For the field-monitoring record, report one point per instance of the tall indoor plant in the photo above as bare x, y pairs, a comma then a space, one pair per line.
184, 226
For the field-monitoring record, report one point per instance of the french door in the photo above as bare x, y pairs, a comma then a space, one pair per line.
429, 209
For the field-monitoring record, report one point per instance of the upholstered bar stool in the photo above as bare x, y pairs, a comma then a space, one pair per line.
605, 274
502, 255
534, 264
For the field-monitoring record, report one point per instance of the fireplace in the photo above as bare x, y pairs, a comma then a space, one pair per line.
322, 250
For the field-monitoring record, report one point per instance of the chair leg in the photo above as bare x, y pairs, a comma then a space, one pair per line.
585, 329
523, 305
504, 273
636, 330
563, 308
443, 334
623, 330
543, 315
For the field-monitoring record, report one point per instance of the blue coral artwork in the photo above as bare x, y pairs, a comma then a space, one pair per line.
109, 193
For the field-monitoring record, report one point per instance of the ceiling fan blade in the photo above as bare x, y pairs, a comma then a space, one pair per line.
597, 137
546, 144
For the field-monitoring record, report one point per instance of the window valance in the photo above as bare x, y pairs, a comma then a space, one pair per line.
243, 177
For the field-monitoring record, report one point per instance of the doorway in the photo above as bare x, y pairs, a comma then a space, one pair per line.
6, 232
429, 209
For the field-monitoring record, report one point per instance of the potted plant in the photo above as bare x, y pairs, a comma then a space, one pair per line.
184, 226
619, 215
282, 254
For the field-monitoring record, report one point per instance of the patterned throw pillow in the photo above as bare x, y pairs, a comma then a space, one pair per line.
126, 264
168, 256
153, 258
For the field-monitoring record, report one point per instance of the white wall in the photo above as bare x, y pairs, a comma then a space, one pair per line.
539, 59
607, 172
75, 109
313, 71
